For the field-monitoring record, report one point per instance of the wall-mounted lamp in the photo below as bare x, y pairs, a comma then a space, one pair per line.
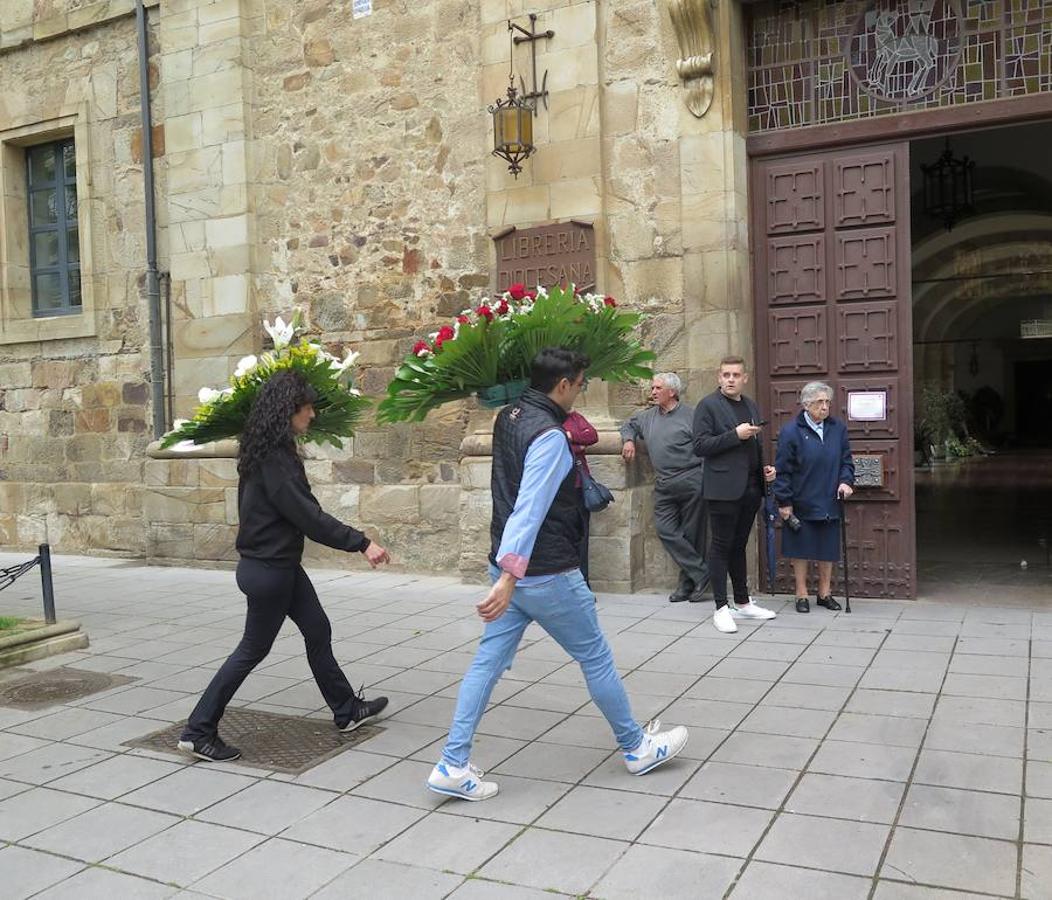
513, 115
513, 129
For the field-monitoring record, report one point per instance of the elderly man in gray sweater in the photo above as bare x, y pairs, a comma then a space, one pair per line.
667, 429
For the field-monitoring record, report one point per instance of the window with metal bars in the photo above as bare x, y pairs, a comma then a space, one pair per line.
54, 236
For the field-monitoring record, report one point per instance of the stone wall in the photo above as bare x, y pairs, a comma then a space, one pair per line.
307, 158
73, 392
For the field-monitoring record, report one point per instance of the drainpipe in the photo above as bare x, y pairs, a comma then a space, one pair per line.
153, 287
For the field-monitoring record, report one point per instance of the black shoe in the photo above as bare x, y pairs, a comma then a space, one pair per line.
701, 595
213, 749
362, 711
802, 605
680, 594
828, 602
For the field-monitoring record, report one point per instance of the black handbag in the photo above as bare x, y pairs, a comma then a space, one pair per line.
597, 496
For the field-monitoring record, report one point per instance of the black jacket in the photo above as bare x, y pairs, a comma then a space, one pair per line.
726, 473
276, 509
558, 544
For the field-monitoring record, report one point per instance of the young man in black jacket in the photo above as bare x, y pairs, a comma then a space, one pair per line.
726, 435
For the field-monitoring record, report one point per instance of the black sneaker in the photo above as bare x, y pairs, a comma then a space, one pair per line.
213, 749
362, 711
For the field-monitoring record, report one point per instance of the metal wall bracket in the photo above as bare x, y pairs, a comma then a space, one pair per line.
531, 37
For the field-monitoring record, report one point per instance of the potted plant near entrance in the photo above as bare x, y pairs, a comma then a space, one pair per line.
487, 351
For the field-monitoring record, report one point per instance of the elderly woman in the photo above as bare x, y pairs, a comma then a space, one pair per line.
814, 471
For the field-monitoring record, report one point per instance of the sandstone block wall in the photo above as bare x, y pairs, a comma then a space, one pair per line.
308, 158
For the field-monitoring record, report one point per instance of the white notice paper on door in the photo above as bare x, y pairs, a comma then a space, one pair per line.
867, 406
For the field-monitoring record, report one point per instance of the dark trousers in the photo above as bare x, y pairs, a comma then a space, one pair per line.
679, 514
273, 593
730, 522
587, 516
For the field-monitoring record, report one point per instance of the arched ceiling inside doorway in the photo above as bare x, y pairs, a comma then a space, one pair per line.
1000, 256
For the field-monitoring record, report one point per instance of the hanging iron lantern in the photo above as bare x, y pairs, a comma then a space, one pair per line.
513, 129
948, 188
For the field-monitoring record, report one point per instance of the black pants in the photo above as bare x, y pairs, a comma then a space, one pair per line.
730, 522
679, 514
587, 518
273, 593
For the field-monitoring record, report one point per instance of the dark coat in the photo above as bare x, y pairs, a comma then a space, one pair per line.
726, 471
811, 468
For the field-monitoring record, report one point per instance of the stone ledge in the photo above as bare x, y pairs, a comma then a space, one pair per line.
38, 643
215, 450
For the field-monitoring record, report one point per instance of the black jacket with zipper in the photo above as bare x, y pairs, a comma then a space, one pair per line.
276, 509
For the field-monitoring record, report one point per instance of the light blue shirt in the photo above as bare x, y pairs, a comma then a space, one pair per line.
548, 462
817, 427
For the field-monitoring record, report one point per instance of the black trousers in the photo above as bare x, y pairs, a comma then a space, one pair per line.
273, 593
679, 514
587, 516
730, 522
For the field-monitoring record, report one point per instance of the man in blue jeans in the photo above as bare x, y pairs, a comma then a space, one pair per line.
535, 534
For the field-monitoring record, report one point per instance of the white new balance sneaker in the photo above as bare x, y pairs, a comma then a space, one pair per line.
465, 783
751, 610
723, 619
658, 747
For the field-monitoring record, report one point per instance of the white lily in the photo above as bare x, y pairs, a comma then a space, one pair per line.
245, 365
342, 365
179, 423
183, 447
207, 395
279, 332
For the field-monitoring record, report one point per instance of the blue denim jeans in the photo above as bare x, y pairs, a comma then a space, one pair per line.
565, 608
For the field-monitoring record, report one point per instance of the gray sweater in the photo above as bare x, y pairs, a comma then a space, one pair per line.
669, 438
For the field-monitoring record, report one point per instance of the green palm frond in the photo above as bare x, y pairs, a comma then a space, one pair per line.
487, 351
339, 409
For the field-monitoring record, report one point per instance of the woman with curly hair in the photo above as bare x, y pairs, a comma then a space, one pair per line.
277, 509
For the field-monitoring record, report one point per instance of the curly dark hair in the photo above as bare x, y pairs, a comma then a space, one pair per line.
269, 424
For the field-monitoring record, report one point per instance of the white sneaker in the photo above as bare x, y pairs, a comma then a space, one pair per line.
724, 620
751, 610
465, 783
658, 747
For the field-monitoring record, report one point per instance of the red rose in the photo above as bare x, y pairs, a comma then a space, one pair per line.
445, 333
421, 347
502, 308
463, 320
517, 290
531, 296
609, 301
484, 312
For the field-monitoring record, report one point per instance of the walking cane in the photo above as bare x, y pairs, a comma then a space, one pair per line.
843, 556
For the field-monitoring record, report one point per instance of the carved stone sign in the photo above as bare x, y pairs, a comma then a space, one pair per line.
869, 471
548, 255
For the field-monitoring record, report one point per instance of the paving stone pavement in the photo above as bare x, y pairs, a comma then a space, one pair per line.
903, 752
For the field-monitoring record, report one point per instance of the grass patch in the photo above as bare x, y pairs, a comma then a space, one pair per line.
9, 622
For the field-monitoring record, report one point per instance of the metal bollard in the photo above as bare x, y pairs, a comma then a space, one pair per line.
46, 584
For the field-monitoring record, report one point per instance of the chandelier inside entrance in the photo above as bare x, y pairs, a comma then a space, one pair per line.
949, 192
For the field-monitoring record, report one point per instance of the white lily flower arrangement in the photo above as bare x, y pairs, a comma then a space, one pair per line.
223, 413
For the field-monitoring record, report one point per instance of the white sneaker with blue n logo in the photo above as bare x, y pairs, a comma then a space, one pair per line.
658, 747
465, 782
